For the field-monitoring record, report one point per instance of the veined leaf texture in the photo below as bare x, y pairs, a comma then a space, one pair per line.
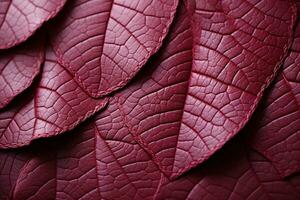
152, 99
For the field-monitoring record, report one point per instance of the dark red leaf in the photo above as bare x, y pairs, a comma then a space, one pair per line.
197, 94
57, 104
104, 162
19, 19
235, 173
11, 164
104, 43
192, 96
275, 130
18, 67
100, 160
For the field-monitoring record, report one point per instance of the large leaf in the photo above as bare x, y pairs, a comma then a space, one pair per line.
19, 19
207, 79
53, 105
275, 130
18, 67
104, 43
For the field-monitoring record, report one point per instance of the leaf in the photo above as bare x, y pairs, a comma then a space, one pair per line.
20, 19
18, 67
53, 105
104, 162
234, 173
205, 82
105, 46
11, 164
275, 129
99, 160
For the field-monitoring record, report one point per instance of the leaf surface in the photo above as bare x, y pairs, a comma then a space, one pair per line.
19, 19
275, 130
18, 67
11, 164
206, 81
105, 46
100, 160
53, 105
234, 173
102, 163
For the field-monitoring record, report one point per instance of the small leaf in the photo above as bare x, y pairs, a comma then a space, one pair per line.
18, 67
20, 19
54, 105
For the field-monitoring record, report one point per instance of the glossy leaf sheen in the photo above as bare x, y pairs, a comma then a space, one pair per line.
105, 46
19, 19
200, 93
57, 104
18, 67
277, 122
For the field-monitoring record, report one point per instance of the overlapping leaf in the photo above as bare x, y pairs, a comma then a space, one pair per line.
235, 173
19, 19
207, 79
11, 164
53, 105
195, 94
99, 161
277, 122
104, 162
104, 43
18, 67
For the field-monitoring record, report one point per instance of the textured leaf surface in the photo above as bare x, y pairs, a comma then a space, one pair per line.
105, 46
277, 123
102, 163
185, 109
19, 19
192, 96
235, 173
99, 161
18, 67
11, 164
54, 104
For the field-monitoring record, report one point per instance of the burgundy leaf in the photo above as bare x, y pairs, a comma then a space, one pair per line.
54, 104
275, 130
207, 79
18, 67
235, 173
104, 162
105, 46
11, 164
19, 19
99, 161
193, 95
